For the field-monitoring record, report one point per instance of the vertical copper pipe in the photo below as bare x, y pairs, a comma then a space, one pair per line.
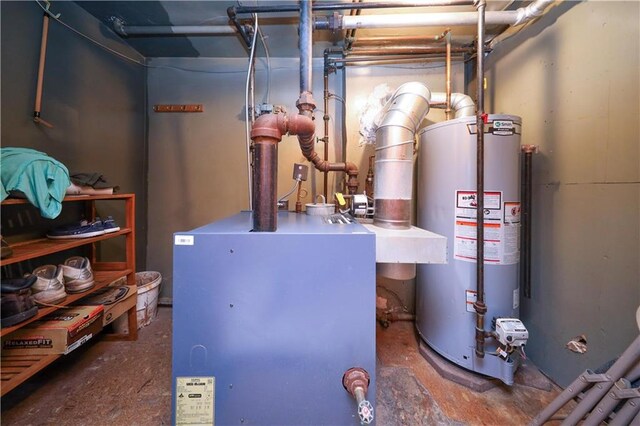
298, 201
351, 34
43, 55
265, 174
479, 305
447, 111
325, 117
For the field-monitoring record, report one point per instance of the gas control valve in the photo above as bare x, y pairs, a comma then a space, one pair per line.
511, 332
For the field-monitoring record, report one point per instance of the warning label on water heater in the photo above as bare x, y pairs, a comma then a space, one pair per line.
501, 228
195, 400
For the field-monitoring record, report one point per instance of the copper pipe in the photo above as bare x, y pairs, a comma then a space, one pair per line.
265, 173
394, 40
395, 59
298, 202
351, 34
408, 50
447, 111
266, 132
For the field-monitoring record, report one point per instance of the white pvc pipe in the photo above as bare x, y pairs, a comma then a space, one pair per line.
507, 17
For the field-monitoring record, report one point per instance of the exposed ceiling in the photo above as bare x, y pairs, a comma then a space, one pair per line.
280, 30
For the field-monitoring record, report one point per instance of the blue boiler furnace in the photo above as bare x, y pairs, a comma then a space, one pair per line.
265, 325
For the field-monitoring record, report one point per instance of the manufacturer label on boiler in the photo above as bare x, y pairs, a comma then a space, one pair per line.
195, 400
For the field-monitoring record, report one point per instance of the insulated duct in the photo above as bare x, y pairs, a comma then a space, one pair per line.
506, 17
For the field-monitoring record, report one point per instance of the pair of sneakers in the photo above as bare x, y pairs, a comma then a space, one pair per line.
54, 282
84, 229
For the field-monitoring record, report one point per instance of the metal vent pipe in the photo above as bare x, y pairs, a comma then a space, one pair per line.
395, 137
461, 104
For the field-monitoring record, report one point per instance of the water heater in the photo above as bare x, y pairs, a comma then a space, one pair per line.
447, 206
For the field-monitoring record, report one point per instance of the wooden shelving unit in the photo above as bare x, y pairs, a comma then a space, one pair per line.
15, 369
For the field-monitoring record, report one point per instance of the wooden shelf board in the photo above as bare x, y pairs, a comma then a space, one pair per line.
15, 369
71, 198
45, 246
102, 279
9, 380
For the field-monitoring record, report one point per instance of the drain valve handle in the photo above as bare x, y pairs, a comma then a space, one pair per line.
356, 382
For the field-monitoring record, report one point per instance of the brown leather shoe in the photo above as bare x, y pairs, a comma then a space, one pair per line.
16, 301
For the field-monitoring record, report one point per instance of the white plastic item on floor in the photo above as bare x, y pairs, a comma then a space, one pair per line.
148, 284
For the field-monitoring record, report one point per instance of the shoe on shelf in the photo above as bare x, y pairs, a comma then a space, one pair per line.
78, 276
110, 225
16, 301
83, 229
6, 249
48, 289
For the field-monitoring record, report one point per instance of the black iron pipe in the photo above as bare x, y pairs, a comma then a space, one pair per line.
479, 305
265, 174
322, 6
325, 118
526, 204
231, 12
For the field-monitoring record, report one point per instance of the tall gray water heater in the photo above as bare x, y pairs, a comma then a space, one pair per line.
446, 205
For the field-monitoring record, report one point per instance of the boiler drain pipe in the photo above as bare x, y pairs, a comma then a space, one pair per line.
479, 305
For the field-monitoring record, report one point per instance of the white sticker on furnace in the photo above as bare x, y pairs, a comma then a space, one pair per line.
183, 240
195, 400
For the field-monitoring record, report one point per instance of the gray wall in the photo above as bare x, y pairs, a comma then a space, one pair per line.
574, 77
95, 100
197, 171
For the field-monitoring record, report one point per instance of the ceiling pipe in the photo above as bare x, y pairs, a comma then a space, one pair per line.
407, 50
505, 17
323, 6
242, 30
397, 40
388, 59
197, 30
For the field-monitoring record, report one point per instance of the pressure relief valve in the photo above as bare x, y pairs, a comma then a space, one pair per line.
356, 382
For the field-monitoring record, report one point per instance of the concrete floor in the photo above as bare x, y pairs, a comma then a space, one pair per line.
128, 383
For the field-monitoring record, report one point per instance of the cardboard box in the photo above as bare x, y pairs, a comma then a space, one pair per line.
58, 333
108, 298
